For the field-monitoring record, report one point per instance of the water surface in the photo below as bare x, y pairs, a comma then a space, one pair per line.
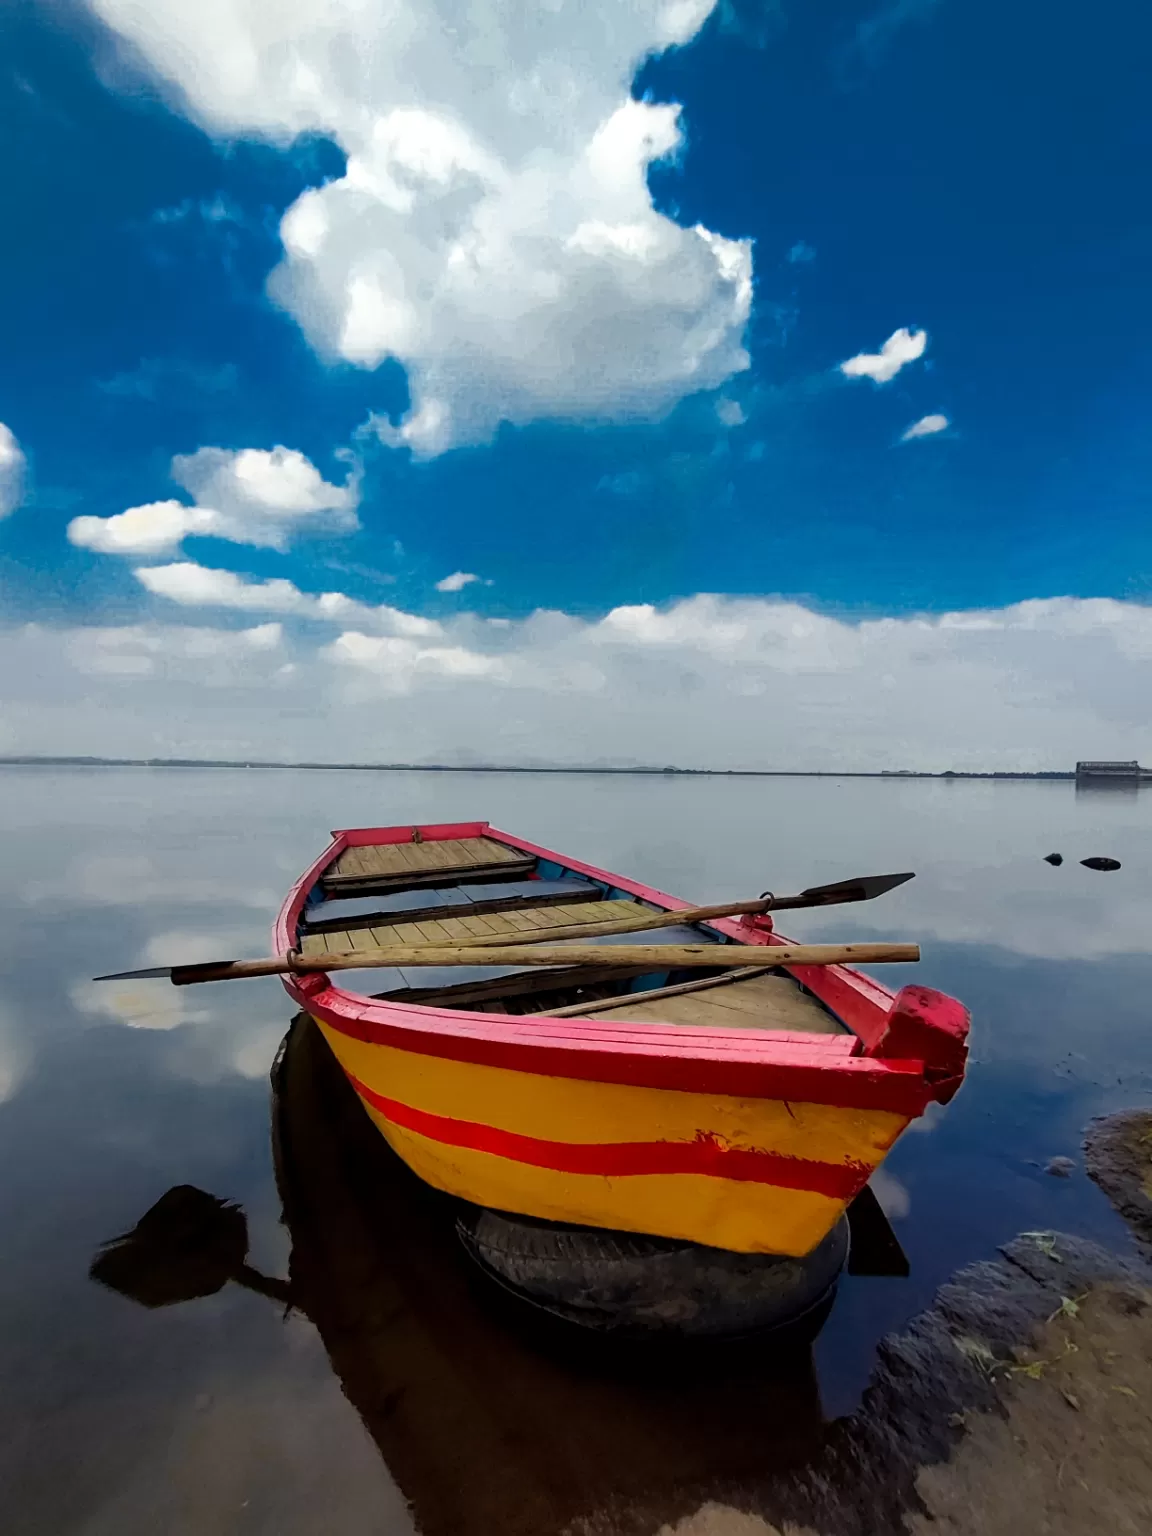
224, 1414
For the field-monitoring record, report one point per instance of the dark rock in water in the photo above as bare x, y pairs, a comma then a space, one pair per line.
1061, 1167
1118, 1155
1053, 858
189, 1244
1100, 863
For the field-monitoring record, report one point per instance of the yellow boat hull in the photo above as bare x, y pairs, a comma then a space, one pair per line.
562, 1149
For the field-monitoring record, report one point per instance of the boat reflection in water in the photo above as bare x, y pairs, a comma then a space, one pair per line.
490, 1417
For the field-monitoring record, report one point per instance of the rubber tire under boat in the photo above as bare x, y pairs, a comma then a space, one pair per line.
626, 1283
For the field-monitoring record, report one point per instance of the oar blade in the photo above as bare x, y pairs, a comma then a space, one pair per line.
204, 970
865, 888
153, 973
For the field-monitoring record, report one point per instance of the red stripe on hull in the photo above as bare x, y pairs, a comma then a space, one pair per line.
705, 1155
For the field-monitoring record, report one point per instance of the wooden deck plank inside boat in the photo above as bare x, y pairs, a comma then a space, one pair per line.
431, 930
437, 879
530, 923
359, 938
508, 987
476, 927
340, 912
396, 862
318, 943
757, 1002
450, 930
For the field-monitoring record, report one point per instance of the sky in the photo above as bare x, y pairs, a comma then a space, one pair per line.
705, 382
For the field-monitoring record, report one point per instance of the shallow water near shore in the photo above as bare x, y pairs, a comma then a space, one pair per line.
224, 1414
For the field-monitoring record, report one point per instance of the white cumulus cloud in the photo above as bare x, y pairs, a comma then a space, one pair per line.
493, 228
927, 426
397, 664
254, 496
903, 346
456, 582
198, 586
148, 530
12, 467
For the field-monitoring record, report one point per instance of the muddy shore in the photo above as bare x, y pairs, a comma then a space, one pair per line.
1019, 1404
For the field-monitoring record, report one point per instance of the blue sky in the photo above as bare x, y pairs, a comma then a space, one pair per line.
970, 171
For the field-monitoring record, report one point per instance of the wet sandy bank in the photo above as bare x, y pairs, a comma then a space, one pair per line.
1019, 1404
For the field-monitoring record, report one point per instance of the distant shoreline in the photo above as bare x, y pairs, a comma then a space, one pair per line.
716, 773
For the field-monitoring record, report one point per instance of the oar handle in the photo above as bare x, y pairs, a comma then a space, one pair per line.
659, 957
662, 957
237, 970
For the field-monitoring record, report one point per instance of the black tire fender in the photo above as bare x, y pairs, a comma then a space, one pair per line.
611, 1280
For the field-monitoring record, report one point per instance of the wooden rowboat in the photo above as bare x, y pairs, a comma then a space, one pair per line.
742, 1110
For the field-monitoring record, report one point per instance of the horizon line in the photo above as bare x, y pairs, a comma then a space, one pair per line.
28, 760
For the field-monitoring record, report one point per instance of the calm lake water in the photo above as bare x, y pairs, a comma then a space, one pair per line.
225, 1414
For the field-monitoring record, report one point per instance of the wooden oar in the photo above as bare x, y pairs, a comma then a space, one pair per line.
865, 889
657, 957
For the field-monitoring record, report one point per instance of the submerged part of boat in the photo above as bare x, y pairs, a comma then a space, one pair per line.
742, 1110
